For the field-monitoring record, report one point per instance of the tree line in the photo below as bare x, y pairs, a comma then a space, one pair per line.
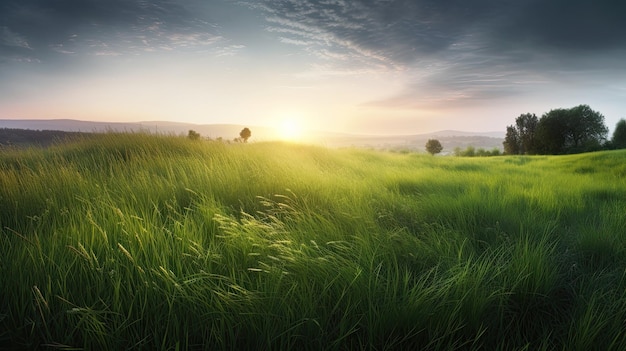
559, 131
244, 135
562, 131
13, 137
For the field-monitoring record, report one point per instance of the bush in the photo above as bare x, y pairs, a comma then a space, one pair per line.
193, 135
433, 146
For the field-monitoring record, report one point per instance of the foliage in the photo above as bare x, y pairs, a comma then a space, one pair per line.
245, 134
193, 135
471, 151
27, 137
137, 241
573, 130
553, 132
527, 127
619, 135
521, 138
433, 146
587, 129
511, 141
560, 131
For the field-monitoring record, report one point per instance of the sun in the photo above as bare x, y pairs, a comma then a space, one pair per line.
290, 129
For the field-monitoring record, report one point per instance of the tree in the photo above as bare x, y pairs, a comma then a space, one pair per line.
511, 141
578, 129
552, 132
433, 146
588, 130
193, 135
470, 151
521, 137
245, 134
619, 135
527, 129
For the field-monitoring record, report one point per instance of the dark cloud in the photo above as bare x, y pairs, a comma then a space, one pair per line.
402, 31
571, 25
41, 29
469, 52
389, 31
370, 32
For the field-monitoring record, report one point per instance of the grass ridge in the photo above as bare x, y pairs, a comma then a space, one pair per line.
159, 242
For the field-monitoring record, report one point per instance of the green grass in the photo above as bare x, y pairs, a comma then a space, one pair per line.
150, 242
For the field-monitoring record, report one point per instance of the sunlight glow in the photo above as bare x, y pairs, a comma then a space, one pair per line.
290, 129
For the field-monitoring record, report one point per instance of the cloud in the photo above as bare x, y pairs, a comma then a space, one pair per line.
448, 51
399, 32
569, 25
389, 32
9, 38
229, 50
457, 52
99, 27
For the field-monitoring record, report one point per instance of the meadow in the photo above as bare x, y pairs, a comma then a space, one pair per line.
135, 241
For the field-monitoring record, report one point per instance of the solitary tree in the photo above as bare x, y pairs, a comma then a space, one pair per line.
245, 134
433, 146
619, 135
193, 135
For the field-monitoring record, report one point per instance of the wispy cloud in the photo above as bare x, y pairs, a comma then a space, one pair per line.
426, 54
10, 38
457, 51
99, 27
229, 50
390, 32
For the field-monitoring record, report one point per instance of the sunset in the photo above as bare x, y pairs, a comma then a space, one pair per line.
290, 129
371, 67
427, 175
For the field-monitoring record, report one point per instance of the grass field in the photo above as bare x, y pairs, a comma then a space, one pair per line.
132, 241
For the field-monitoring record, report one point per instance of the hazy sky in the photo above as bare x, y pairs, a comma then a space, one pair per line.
367, 66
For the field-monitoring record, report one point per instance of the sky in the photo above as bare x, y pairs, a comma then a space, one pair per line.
368, 66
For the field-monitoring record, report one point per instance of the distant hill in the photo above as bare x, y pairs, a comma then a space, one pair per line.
450, 139
226, 131
14, 137
458, 133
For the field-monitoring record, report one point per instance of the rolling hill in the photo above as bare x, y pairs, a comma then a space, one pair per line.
450, 139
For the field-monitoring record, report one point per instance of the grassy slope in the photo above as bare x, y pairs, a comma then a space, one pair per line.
160, 242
